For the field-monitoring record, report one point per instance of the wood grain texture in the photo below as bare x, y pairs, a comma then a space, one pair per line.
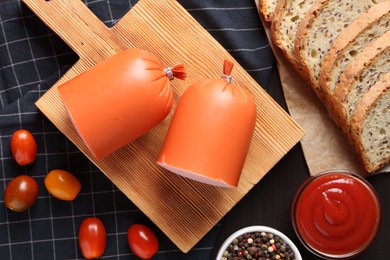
183, 209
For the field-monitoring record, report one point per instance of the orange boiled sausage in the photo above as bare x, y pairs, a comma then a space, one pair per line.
210, 132
119, 99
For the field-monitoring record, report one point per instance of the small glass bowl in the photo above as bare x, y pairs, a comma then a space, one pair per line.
329, 222
253, 229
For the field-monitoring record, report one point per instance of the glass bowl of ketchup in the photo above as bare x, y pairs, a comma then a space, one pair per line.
336, 214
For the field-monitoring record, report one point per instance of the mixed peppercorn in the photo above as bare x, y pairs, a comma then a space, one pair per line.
258, 246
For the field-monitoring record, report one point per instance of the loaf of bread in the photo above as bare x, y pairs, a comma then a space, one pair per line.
318, 30
371, 125
351, 41
341, 48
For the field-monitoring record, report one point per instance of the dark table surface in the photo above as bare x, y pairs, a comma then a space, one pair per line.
32, 58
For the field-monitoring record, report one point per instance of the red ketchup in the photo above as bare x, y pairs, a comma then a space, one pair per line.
336, 214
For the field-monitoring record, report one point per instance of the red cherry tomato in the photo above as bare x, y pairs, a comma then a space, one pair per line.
21, 193
23, 147
62, 184
92, 238
142, 241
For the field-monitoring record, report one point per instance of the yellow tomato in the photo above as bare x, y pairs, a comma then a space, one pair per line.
62, 184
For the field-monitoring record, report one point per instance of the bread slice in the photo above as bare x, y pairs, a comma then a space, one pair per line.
318, 30
370, 126
287, 16
351, 41
359, 76
266, 8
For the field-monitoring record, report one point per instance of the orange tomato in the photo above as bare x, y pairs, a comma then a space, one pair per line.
21, 193
23, 147
119, 99
92, 238
62, 184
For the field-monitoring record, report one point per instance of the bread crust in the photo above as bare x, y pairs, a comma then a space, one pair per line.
366, 104
264, 6
337, 106
275, 25
357, 27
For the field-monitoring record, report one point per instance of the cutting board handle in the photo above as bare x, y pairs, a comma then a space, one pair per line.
78, 26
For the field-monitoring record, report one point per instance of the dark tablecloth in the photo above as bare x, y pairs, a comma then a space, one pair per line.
32, 58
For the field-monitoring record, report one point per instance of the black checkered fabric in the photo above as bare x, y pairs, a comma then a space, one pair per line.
32, 58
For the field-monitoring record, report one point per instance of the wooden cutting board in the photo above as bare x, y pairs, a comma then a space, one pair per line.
183, 209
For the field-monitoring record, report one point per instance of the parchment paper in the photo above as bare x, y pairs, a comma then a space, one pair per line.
324, 145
